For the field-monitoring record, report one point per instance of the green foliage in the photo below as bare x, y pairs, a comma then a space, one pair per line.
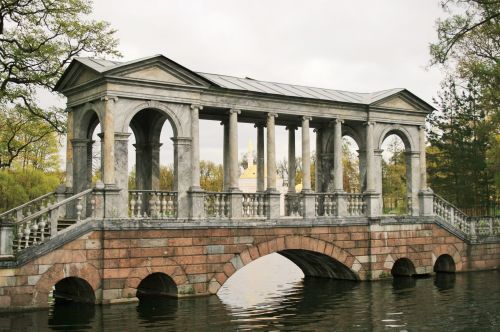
394, 182
38, 39
465, 156
27, 141
460, 165
350, 163
20, 186
167, 178
211, 176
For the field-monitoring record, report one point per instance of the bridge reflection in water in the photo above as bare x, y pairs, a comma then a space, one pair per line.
285, 301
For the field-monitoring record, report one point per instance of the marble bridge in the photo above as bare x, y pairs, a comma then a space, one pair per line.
106, 243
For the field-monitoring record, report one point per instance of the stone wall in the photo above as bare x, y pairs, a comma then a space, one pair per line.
200, 260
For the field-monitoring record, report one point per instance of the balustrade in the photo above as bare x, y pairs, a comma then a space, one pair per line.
326, 204
254, 205
19, 213
355, 204
43, 224
153, 204
217, 204
451, 214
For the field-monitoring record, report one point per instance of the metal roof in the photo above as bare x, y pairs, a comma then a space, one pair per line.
291, 90
249, 84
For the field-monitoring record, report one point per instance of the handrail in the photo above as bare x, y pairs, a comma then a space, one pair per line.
55, 205
450, 204
22, 206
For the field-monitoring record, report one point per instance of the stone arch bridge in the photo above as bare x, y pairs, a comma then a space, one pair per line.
107, 243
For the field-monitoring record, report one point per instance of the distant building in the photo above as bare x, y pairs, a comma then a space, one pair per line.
248, 179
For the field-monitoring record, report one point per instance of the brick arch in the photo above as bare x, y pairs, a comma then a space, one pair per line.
276, 245
59, 271
399, 252
144, 269
450, 250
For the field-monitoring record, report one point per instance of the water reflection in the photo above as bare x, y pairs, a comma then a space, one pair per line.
444, 302
70, 316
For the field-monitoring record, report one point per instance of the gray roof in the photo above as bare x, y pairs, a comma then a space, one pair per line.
291, 90
249, 84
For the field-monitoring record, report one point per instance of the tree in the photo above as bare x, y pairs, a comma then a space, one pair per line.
26, 137
394, 189
350, 163
211, 176
38, 39
458, 162
468, 48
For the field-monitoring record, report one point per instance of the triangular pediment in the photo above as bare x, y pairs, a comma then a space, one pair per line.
158, 69
396, 102
402, 100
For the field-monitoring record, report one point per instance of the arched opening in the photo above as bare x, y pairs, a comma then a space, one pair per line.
156, 285
351, 165
396, 193
445, 263
73, 289
152, 172
403, 267
282, 274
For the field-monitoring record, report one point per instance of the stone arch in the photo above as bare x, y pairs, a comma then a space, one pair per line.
59, 271
403, 267
450, 250
144, 269
74, 289
85, 119
402, 132
157, 283
287, 245
171, 115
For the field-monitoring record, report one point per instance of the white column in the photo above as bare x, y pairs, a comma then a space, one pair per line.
291, 158
306, 155
370, 171
69, 150
233, 149
109, 141
319, 155
271, 153
195, 147
225, 157
423, 166
260, 158
338, 183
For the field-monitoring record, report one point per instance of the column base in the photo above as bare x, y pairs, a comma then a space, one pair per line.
426, 202
340, 202
114, 205
236, 204
372, 201
273, 204
196, 203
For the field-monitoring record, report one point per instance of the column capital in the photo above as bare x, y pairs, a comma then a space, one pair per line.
259, 125
80, 141
338, 120
421, 127
234, 110
291, 127
369, 123
121, 136
306, 118
196, 106
109, 98
272, 114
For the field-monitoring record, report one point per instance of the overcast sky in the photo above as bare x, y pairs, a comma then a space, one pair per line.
360, 46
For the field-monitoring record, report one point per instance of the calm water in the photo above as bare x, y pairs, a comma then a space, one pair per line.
257, 298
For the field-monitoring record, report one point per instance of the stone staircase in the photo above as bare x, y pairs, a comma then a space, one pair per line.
44, 217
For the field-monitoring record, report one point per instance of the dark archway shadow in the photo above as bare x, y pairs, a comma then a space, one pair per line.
445, 263
156, 285
403, 267
73, 289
